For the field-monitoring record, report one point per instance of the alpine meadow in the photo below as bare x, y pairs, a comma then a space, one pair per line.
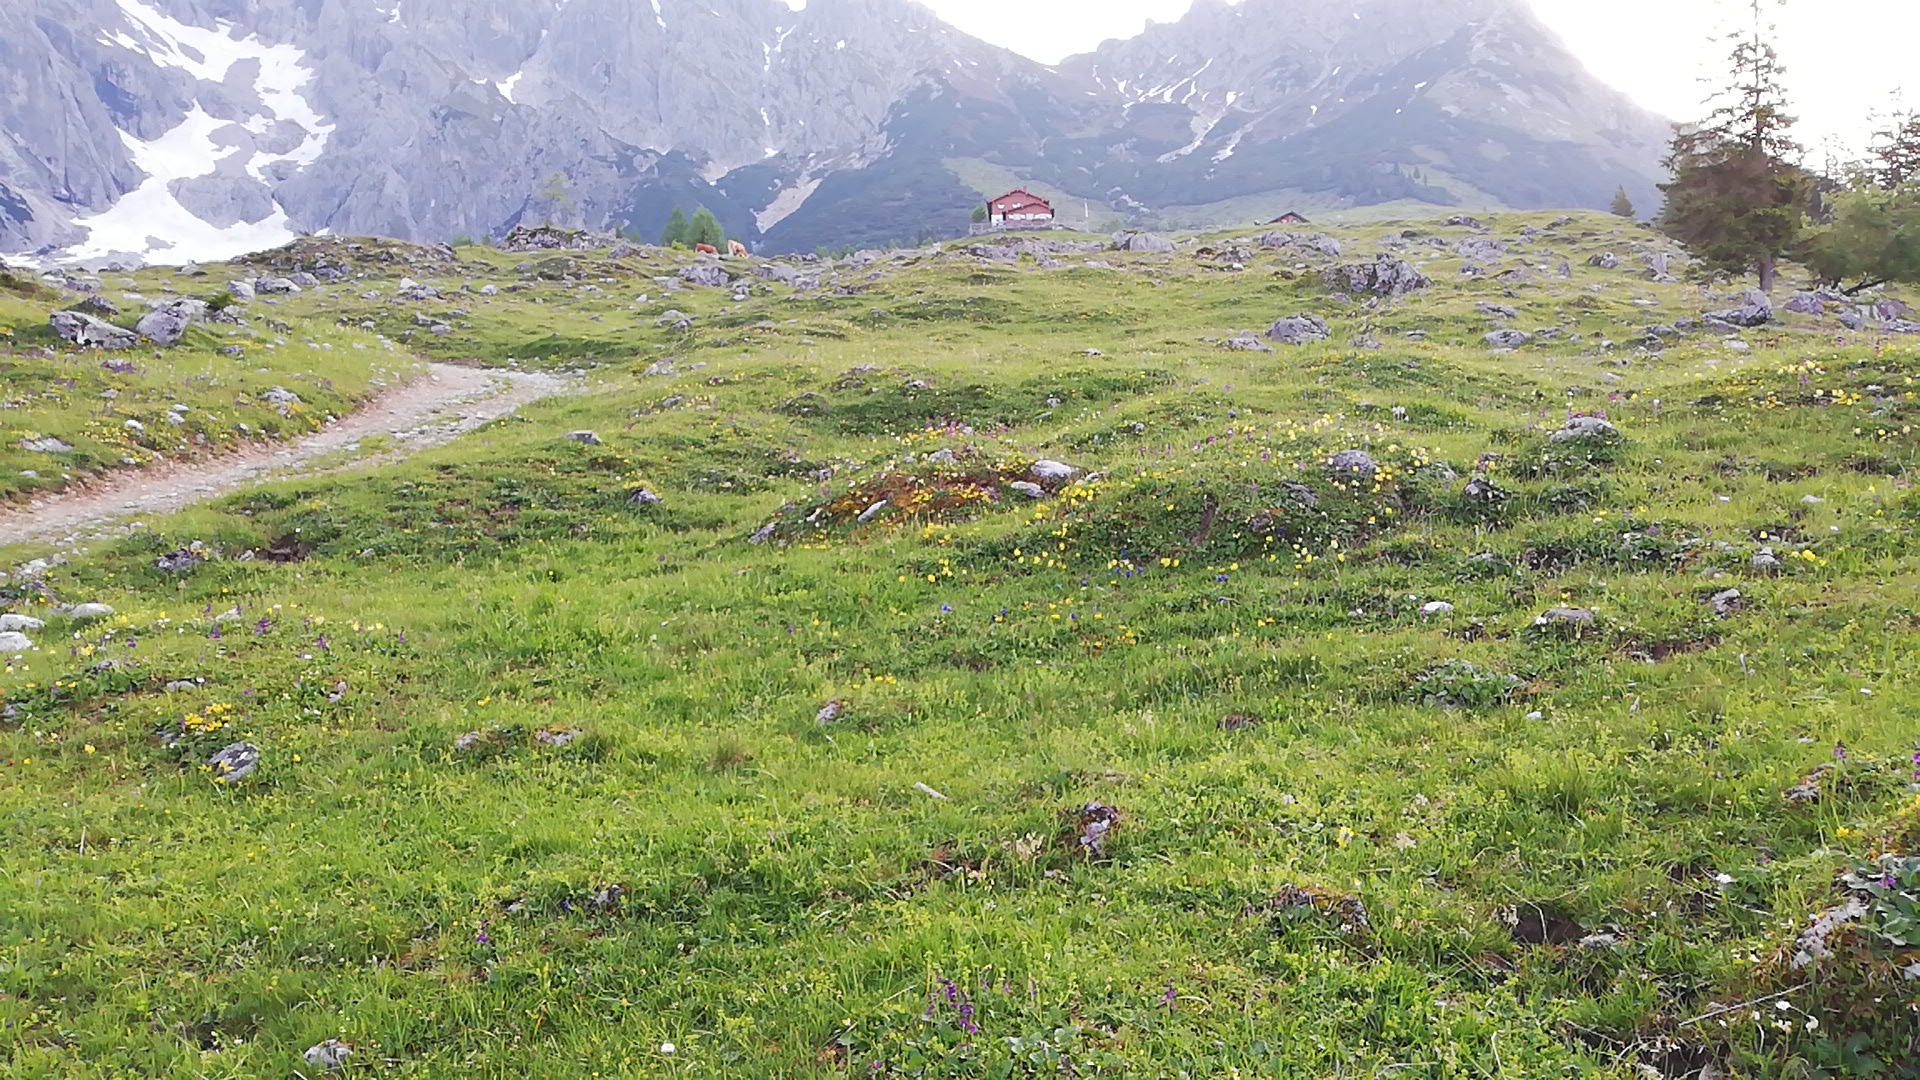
1465, 626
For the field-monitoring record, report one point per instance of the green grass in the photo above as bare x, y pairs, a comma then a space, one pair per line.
1308, 867
117, 408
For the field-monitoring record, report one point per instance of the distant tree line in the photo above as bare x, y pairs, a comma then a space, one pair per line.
1742, 199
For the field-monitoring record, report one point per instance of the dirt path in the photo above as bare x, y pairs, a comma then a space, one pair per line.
449, 400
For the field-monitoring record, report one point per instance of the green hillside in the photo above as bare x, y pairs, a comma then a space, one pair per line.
1502, 752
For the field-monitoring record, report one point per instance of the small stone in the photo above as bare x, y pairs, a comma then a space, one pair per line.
1356, 463
1765, 561
1055, 472
13, 622
1727, 602
1565, 616
1435, 608
329, 1055
872, 512
1507, 339
180, 686
586, 437
234, 762
1302, 329
88, 612
830, 712
13, 641
1028, 488
644, 497
46, 445
556, 737
1584, 428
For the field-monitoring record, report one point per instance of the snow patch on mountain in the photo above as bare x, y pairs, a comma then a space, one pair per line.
150, 221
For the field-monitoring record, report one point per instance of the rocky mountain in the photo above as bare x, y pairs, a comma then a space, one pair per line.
184, 129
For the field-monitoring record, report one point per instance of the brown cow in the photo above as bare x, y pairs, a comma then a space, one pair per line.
705, 249
736, 250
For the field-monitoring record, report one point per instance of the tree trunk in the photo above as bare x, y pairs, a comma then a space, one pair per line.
1768, 273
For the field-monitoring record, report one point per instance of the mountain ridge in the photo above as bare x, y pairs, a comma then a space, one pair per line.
196, 128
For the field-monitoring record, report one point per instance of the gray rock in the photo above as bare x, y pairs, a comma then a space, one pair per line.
280, 395
585, 437
556, 737
1245, 343
872, 512
234, 762
1028, 488
1765, 561
1501, 311
11, 622
1508, 339
1606, 260
45, 445
89, 332
180, 686
1755, 309
274, 286
673, 320
1806, 303
1481, 489
1887, 309
644, 497
1727, 602
304, 280
1319, 243
1353, 463
1463, 221
329, 1055
167, 325
13, 641
1384, 276
1435, 608
240, 290
706, 276
1584, 429
1125, 241
1052, 472
89, 612
1566, 616
1303, 329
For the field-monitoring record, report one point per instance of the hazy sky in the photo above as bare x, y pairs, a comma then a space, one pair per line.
1844, 58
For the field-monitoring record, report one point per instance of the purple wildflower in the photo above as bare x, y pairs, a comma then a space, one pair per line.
1840, 751
1169, 997
260, 628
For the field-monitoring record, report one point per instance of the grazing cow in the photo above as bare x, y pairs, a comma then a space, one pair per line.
736, 250
705, 249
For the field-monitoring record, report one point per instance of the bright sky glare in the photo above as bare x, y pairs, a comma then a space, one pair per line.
1844, 58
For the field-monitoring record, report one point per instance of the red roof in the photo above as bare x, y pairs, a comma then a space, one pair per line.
1020, 201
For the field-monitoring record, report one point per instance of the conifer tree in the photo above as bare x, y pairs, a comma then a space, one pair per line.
1738, 196
1622, 206
1896, 152
705, 229
675, 233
